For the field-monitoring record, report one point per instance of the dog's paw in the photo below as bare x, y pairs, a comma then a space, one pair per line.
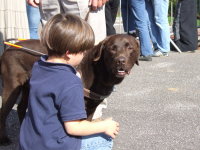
4, 141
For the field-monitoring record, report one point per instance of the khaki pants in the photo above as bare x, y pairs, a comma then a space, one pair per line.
96, 19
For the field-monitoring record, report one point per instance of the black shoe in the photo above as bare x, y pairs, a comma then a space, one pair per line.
189, 51
145, 58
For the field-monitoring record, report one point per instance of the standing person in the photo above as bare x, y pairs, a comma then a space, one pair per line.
55, 119
91, 10
111, 10
158, 15
33, 14
128, 18
185, 25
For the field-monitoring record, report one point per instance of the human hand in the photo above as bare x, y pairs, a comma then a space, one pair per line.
33, 3
95, 4
112, 127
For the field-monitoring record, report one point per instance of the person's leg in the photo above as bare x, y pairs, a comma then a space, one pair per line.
176, 22
97, 142
109, 19
152, 28
33, 20
142, 25
48, 9
188, 28
124, 11
71, 7
160, 25
114, 8
111, 9
127, 16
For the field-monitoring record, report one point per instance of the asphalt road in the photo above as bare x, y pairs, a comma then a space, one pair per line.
157, 106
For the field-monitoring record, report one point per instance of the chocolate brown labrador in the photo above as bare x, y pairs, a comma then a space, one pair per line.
103, 66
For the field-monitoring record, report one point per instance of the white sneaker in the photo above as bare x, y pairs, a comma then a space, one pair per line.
158, 53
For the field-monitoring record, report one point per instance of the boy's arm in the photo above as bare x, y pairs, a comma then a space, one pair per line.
84, 127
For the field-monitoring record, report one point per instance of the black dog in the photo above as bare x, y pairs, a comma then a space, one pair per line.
103, 66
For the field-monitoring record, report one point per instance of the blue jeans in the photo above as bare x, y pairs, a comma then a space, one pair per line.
97, 142
33, 20
138, 7
127, 16
158, 15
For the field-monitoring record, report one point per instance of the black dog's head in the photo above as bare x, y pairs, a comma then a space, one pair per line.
119, 54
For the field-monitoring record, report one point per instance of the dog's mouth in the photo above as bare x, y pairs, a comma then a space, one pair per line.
122, 72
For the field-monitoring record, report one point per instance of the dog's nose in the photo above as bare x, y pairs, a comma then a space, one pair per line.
121, 60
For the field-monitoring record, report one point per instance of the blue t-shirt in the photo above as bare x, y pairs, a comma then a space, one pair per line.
56, 96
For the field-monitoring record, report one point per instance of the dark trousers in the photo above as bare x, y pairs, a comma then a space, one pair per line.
111, 9
185, 25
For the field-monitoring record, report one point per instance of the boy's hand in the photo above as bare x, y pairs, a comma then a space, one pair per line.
95, 4
112, 127
33, 3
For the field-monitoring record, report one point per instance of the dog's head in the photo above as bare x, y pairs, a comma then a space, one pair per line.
119, 54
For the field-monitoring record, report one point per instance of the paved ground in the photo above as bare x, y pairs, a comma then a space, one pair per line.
157, 106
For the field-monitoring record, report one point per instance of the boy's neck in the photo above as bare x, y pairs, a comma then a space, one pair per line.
57, 60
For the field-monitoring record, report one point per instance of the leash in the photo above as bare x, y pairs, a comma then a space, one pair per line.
25, 48
94, 96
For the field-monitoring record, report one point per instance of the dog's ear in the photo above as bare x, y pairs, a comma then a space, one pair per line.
137, 47
137, 62
97, 50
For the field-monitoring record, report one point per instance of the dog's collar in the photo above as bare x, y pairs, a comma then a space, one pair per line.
94, 96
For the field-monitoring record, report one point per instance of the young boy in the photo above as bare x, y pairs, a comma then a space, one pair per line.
56, 117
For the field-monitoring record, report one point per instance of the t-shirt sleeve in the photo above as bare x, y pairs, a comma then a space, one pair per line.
72, 106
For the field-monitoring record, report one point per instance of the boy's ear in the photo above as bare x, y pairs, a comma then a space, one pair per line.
67, 54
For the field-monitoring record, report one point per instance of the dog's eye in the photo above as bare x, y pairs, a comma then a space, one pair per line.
130, 48
113, 48
127, 44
